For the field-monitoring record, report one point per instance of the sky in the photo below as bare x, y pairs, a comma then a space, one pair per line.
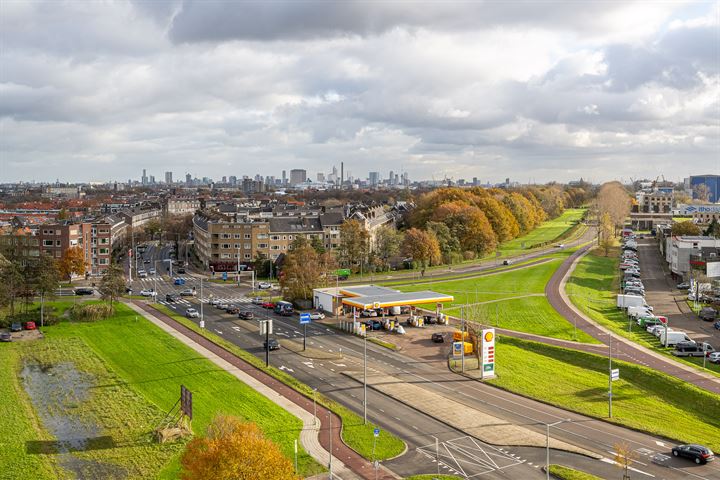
530, 90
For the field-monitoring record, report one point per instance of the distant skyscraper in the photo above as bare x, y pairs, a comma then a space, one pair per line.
188, 179
374, 178
284, 177
233, 180
297, 176
144, 179
168, 178
391, 177
224, 179
320, 177
152, 179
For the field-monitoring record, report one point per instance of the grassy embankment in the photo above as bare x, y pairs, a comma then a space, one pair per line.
578, 381
513, 300
357, 436
593, 288
137, 370
566, 473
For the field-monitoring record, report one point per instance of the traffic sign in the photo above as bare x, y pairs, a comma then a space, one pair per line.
376, 432
615, 374
305, 318
224, 275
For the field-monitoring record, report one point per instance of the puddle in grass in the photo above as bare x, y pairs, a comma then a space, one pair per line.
56, 392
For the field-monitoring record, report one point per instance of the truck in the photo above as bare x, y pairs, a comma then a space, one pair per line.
625, 301
692, 349
673, 338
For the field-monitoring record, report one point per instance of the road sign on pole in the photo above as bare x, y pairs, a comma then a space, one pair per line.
305, 318
376, 432
615, 374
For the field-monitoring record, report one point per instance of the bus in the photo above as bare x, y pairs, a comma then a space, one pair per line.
284, 308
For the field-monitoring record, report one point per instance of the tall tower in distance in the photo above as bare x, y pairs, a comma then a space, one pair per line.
168, 178
342, 174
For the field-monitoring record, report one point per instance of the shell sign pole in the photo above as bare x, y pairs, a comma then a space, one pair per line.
488, 353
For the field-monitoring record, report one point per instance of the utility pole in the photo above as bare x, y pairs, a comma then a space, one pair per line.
462, 340
331, 450
365, 381
610, 375
202, 316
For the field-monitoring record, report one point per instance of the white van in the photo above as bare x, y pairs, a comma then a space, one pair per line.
673, 338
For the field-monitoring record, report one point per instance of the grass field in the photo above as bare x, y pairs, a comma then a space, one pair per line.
547, 232
593, 288
567, 473
578, 381
138, 369
355, 434
514, 300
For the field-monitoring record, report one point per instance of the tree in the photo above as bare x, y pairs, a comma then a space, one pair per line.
387, 244
112, 285
422, 247
624, 457
304, 270
45, 278
469, 225
152, 228
713, 229
702, 192
234, 450
63, 214
354, 243
448, 243
685, 228
72, 263
613, 199
606, 231
11, 282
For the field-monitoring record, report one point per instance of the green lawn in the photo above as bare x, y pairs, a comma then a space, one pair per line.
567, 473
547, 232
356, 435
433, 476
502, 300
593, 288
138, 370
579, 381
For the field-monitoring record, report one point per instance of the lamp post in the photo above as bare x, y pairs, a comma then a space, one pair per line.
365, 380
238, 264
202, 316
314, 406
547, 445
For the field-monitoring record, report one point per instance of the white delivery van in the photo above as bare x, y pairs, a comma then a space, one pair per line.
673, 338
625, 301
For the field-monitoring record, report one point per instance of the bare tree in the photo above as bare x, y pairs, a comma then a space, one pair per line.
624, 457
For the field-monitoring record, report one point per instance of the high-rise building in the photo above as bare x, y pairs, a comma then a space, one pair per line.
320, 177
284, 177
144, 178
233, 180
297, 176
188, 179
224, 179
374, 178
168, 178
391, 177
152, 179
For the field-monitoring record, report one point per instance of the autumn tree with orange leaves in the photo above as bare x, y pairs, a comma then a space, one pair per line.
234, 450
72, 262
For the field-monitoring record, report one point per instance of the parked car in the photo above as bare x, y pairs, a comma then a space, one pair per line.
507, 262
142, 274
708, 314
264, 285
84, 291
368, 313
215, 301
698, 453
16, 327
30, 326
152, 271
716, 325
172, 297
232, 309
180, 270
373, 325
272, 344
714, 357
269, 305
683, 286
258, 301
437, 337
179, 281
5, 337
221, 305
246, 315
188, 292
656, 329
192, 313
148, 292
317, 316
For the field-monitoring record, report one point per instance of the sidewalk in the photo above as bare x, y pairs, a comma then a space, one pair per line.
345, 461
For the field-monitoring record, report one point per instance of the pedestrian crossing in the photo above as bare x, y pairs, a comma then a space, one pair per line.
225, 299
181, 301
158, 279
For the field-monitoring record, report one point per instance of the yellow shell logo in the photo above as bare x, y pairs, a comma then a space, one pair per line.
488, 336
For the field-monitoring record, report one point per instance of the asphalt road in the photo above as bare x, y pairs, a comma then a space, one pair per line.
457, 453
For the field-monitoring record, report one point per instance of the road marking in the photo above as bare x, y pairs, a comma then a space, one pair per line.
660, 443
309, 364
283, 367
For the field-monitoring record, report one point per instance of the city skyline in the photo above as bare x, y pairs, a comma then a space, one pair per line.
536, 93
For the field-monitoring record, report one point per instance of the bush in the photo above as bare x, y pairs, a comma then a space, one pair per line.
469, 255
90, 312
51, 317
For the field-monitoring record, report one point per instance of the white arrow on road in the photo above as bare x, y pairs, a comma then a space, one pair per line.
283, 367
309, 364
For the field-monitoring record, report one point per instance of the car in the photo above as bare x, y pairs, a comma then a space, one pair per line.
30, 326
142, 274
272, 344
698, 453
128, 290
257, 301
507, 262
269, 305
714, 357
232, 309
180, 270
246, 315
716, 325
84, 291
146, 261
368, 313
179, 281
16, 327
656, 329
264, 285
560, 245
683, 286
437, 337
708, 314
5, 337
152, 271
188, 292
221, 306
172, 297
192, 313
214, 301
317, 316
148, 292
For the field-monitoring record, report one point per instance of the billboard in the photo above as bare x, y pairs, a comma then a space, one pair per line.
488, 353
713, 269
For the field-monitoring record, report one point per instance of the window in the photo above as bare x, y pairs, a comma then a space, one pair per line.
57, 243
236, 236
103, 261
262, 245
105, 231
104, 251
224, 255
104, 241
237, 245
275, 237
249, 236
262, 236
275, 247
47, 243
247, 256
225, 245
248, 246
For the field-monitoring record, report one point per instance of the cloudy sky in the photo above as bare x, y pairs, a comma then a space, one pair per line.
531, 90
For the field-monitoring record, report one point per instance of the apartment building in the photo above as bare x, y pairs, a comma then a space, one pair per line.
181, 206
137, 217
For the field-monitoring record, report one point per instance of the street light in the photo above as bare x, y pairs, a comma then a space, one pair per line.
202, 316
365, 380
547, 445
